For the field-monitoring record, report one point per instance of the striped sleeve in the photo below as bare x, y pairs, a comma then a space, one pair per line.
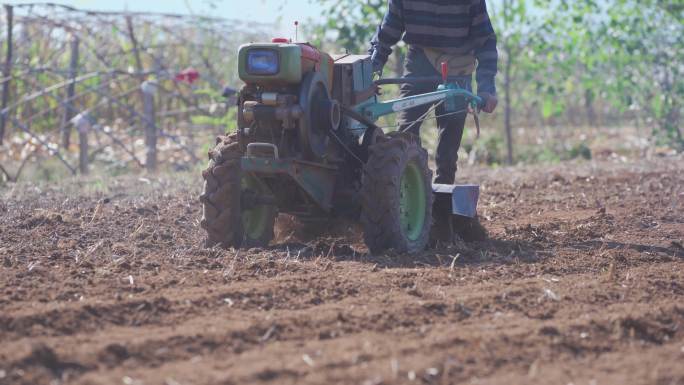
390, 31
486, 53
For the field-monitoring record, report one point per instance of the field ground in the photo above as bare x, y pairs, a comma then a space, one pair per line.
582, 282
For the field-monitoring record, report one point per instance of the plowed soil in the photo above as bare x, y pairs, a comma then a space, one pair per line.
581, 281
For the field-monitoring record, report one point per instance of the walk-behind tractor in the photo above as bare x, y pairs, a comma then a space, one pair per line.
307, 145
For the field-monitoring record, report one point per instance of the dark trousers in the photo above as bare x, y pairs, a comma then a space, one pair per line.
450, 127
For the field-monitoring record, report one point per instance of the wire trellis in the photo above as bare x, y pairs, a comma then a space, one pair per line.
111, 80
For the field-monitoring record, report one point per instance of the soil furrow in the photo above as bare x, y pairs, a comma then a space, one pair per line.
581, 281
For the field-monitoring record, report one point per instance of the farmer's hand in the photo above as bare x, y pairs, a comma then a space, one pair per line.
376, 62
490, 102
377, 66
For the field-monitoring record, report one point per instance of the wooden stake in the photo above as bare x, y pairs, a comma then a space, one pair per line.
149, 89
71, 90
83, 126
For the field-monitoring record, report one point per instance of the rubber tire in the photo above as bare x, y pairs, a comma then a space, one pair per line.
380, 194
221, 207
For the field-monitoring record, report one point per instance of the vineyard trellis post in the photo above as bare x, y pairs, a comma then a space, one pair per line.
149, 89
7, 71
83, 126
507, 108
71, 90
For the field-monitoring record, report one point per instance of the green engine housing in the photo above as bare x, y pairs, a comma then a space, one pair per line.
294, 61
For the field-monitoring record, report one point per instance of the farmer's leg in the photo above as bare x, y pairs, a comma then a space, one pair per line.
448, 142
416, 65
450, 132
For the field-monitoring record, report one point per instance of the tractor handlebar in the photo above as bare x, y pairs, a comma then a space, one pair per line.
481, 103
430, 79
414, 80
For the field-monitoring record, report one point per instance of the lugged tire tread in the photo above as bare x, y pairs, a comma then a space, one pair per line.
221, 213
380, 194
221, 196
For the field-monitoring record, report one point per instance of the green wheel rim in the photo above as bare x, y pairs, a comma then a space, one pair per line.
412, 205
256, 219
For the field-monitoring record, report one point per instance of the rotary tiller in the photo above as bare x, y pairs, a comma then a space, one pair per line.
307, 145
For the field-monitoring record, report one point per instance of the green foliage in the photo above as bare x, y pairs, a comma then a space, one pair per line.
622, 54
580, 150
568, 60
349, 23
228, 120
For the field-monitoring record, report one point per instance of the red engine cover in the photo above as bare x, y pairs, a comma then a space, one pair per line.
310, 53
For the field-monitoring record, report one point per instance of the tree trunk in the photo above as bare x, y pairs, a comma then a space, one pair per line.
589, 107
83, 129
7, 71
507, 107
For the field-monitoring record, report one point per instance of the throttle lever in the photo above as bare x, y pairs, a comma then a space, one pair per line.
474, 108
476, 118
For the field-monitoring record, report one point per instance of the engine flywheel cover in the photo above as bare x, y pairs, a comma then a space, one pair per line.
318, 116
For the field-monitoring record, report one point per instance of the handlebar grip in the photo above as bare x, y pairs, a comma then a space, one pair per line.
481, 102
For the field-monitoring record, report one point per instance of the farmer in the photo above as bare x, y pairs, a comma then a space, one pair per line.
459, 33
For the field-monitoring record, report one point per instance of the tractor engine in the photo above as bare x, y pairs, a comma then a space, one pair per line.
286, 107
